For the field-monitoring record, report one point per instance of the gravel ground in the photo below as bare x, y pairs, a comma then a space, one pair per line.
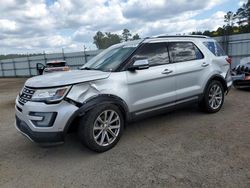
184, 148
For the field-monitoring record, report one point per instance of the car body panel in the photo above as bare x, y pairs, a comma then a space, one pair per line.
65, 78
151, 87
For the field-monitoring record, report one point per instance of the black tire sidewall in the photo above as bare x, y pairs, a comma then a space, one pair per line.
206, 105
85, 130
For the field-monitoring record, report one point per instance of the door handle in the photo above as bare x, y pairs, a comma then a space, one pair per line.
167, 71
204, 64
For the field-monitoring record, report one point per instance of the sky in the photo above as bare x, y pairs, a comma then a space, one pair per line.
34, 26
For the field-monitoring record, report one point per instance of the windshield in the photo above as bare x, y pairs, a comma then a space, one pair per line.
111, 58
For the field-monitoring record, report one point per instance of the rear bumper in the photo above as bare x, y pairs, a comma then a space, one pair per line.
39, 137
241, 83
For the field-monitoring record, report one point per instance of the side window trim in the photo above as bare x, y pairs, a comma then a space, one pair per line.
171, 59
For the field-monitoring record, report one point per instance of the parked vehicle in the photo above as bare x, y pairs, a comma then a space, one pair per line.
124, 82
52, 66
241, 74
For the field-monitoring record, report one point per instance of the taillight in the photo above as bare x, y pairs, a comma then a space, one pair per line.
66, 68
229, 60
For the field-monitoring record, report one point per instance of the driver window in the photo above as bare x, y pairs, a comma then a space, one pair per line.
156, 53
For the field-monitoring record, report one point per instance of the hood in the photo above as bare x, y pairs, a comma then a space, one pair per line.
65, 78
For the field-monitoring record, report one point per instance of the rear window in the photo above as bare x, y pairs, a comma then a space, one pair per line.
215, 48
184, 51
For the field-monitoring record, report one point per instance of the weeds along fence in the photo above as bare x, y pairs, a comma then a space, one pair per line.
26, 66
236, 46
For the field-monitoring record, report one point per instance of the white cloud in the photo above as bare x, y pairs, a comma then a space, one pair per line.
8, 25
33, 25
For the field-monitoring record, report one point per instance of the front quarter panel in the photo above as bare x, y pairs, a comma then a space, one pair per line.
115, 85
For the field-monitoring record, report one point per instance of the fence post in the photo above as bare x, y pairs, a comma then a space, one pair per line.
45, 59
85, 55
29, 63
1, 64
14, 66
63, 54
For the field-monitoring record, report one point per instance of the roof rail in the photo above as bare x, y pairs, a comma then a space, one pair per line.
188, 36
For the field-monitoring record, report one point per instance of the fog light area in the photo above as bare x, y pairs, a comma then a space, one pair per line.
47, 120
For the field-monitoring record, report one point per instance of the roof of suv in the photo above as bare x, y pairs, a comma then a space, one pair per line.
178, 37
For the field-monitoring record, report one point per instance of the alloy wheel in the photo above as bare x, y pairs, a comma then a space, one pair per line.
106, 127
215, 96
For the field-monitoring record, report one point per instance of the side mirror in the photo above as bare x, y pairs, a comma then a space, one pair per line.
139, 64
40, 67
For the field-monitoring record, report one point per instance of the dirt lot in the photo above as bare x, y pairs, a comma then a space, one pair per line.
185, 148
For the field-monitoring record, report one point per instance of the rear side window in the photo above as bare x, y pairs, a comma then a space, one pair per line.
215, 48
156, 53
184, 51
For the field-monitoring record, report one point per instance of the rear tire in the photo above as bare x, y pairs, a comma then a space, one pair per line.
213, 98
101, 128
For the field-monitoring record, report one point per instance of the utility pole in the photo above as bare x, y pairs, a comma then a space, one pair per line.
84, 52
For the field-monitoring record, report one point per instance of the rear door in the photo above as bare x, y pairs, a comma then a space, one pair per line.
152, 88
190, 67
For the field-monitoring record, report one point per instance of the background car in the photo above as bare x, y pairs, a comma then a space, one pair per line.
52, 66
241, 74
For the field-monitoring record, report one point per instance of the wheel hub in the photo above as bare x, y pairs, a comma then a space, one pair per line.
106, 128
215, 96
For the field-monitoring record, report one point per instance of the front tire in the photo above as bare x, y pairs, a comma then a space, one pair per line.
213, 98
101, 128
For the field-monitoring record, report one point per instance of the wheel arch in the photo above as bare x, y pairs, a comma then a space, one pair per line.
95, 101
218, 78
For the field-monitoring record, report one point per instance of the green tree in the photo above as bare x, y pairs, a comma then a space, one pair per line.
229, 18
126, 35
207, 33
112, 39
98, 40
243, 13
136, 37
196, 33
220, 31
106, 40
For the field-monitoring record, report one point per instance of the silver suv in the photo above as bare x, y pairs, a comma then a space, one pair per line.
124, 82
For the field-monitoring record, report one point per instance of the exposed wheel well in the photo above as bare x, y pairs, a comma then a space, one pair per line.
220, 79
72, 124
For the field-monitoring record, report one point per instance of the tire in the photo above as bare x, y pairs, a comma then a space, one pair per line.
213, 97
106, 135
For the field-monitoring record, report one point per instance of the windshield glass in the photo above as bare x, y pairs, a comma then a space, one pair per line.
111, 58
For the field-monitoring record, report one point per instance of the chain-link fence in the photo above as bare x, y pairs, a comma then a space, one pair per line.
236, 46
26, 66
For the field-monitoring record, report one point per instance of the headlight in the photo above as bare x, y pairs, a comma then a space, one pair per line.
50, 95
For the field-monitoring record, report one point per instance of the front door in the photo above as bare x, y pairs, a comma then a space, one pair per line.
154, 87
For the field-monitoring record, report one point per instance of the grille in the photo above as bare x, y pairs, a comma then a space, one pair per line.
26, 95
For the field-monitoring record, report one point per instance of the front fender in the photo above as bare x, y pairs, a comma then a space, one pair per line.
95, 101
